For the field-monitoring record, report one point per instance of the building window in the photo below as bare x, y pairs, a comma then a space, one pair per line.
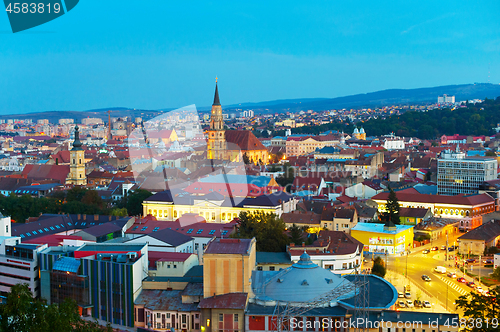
221, 317
271, 268
175, 214
235, 318
259, 268
213, 215
158, 315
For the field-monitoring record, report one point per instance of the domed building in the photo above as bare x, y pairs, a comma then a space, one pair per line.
307, 285
359, 134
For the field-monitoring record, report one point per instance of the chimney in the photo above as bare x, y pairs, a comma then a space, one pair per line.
84, 217
292, 244
96, 217
78, 216
303, 244
317, 250
110, 218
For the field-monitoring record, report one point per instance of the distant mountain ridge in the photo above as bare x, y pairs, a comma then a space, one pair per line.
373, 99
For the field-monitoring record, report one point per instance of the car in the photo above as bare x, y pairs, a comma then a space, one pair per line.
486, 293
409, 303
426, 304
434, 248
401, 304
470, 261
426, 277
425, 251
461, 279
479, 289
407, 295
400, 294
488, 261
452, 275
443, 247
417, 303
471, 284
451, 248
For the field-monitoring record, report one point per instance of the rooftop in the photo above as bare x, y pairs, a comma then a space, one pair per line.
379, 228
230, 246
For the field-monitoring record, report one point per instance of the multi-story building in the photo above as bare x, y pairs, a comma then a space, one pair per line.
103, 279
18, 261
468, 210
460, 175
215, 207
445, 99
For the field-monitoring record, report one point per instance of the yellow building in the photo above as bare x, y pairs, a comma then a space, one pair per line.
227, 273
214, 207
77, 162
379, 239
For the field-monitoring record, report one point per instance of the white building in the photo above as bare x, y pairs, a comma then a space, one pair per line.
394, 143
335, 251
18, 261
445, 99
458, 174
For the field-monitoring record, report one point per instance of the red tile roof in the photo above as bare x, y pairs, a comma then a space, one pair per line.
45, 172
438, 199
236, 301
245, 139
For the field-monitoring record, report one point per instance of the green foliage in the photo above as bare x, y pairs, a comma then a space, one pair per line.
391, 214
133, 201
22, 313
119, 212
267, 228
490, 154
297, 234
481, 308
378, 261
378, 269
496, 274
287, 178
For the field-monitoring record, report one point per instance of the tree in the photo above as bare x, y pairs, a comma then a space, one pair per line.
496, 273
23, 313
480, 308
75, 194
267, 228
119, 212
296, 234
378, 267
490, 154
246, 159
91, 197
391, 214
134, 201
287, 178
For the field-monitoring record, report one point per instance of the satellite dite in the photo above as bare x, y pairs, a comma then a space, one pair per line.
175, 142
24, 14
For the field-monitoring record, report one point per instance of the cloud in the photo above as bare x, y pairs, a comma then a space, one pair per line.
432, 20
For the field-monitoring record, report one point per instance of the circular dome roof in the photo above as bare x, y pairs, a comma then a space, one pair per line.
356, 131
302, 282
362, 130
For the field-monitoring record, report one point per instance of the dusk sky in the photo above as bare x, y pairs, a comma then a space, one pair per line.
162, 54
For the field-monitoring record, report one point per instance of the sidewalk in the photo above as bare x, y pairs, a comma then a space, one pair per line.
399, 281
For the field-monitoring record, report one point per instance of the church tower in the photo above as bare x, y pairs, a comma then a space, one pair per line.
216, 134
77, 163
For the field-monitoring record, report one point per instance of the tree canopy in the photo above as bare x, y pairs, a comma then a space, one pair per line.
480, 308
22, 313
267, 228
378, 267
391, 214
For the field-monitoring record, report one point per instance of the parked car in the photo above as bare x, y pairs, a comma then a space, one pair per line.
417, 303
401, 294
426, 304
488, 261
434, 248
479, 289
471, 284
451, 248
470, 261
452, 274
426, 277
409, 303
408, 295
443, 247
440, 269
461, 279
425, 251
401, 304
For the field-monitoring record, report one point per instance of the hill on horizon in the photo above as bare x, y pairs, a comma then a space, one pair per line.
373, 99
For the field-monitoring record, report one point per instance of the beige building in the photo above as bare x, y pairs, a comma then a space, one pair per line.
77, 174
475, 241
339, 219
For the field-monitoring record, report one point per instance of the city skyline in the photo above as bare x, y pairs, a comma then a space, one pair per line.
166, 57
